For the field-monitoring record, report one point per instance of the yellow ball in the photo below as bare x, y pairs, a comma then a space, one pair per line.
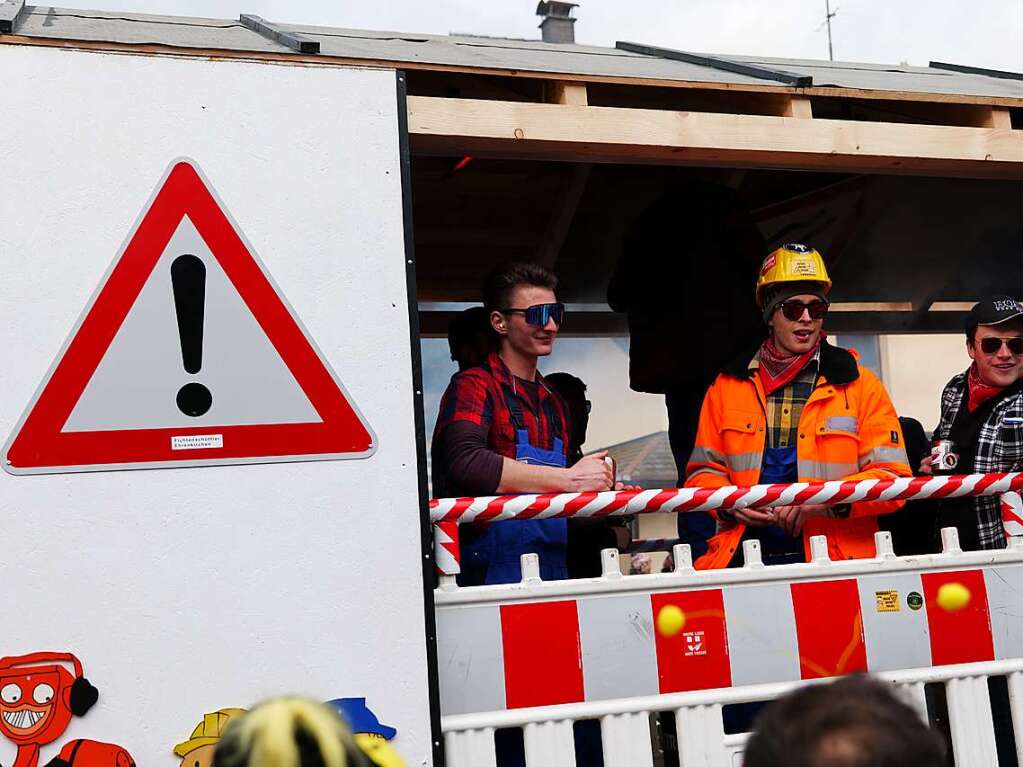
953, 597
670, 620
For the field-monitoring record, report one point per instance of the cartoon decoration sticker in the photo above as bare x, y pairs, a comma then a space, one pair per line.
198, 750
38, 697
370, 735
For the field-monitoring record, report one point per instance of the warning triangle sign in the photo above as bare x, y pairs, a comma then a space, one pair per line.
187, 355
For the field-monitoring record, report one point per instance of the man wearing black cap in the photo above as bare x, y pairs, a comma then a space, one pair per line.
982, 415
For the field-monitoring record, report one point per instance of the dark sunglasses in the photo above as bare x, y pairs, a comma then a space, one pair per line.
992, 345
793, 310
539, 314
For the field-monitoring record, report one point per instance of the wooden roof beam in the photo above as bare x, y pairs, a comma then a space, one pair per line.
264, 28
962, 69
609, 134
717, 62
10, 14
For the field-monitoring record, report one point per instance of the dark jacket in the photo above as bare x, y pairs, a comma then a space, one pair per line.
686, 279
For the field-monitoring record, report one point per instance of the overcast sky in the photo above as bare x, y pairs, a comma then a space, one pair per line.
979, 32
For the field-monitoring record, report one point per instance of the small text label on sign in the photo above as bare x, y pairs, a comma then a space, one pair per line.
197, 441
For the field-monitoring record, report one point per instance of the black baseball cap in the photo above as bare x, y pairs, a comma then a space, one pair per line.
993, 311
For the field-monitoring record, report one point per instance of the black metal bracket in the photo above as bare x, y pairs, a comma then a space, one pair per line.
296, 42
715, 62
10, 14
999, 73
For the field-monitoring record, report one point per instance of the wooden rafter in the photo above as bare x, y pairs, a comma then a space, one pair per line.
577, 133
562, 213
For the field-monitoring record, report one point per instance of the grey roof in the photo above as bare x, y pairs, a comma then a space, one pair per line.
890, 77
493, 53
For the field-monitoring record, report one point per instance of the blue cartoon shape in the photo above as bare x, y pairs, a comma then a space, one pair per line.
360, 718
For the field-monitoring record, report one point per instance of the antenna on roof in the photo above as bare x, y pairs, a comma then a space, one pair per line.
557, 26
828, 16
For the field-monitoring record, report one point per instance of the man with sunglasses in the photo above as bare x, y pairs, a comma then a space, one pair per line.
502, 429
795, 409
982, 414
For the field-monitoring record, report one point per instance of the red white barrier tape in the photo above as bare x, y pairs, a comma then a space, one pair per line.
625, 502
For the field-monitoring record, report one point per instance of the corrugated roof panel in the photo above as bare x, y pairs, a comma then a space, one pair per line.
532, 56
137, 29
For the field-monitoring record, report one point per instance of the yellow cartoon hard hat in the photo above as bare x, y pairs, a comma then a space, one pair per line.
208, 730
792, 263
378, 750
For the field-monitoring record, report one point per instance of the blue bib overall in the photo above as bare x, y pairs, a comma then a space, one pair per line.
501, 545
777, 547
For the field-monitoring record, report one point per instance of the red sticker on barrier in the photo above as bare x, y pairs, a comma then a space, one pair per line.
542, 656
829, 628
695, 658
959, 633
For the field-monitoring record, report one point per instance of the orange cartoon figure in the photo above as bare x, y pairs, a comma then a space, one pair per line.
38, 697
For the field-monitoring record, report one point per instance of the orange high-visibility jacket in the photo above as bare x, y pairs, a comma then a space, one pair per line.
848, 430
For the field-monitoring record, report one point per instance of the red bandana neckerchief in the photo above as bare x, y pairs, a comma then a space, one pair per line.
777, 369
980, 392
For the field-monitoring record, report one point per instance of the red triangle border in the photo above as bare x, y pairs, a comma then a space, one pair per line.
38, 445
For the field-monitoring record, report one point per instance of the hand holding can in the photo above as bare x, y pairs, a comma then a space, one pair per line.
944, 458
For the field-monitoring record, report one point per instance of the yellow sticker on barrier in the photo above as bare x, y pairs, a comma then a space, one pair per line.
887, 601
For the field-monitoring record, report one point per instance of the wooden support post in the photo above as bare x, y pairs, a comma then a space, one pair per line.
1001, 119
799, 106
573, 94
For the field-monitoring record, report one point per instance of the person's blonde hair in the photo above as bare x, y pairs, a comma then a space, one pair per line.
287, 732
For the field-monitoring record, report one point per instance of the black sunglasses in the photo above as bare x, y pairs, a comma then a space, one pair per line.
539, 314
793, 310
991, 345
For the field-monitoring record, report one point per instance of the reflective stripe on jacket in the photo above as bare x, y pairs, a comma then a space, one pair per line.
848, 430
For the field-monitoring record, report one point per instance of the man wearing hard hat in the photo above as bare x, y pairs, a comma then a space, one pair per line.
795, 409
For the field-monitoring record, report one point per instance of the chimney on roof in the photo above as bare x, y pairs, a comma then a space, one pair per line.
557, 26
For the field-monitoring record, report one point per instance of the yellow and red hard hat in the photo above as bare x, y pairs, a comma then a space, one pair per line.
209, 730
792, 263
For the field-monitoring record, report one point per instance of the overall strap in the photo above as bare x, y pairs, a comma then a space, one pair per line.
554, 416
511, 400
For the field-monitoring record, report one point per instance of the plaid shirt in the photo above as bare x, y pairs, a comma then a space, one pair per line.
783, 408
999, 448
785, 405
480, 396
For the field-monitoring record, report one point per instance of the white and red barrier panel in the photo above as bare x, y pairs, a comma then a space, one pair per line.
521, 654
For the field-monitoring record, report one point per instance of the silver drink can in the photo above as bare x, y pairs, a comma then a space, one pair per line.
944, 458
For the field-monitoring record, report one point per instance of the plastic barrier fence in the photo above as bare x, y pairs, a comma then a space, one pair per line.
447, 513
542, 655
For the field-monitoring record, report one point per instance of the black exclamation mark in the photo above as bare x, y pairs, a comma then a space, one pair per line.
188, 277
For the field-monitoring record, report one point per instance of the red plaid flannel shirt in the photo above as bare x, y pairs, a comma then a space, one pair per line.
477, 396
